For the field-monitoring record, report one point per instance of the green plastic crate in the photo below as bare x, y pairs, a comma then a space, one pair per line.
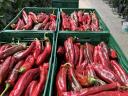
85, 37
65, 3
102, 25
27, 37
35, 10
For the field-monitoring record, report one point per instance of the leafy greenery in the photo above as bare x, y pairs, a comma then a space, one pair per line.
9, 8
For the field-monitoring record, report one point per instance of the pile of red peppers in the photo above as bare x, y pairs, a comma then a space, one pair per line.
24, 67
80, 21
89, 70
32, 21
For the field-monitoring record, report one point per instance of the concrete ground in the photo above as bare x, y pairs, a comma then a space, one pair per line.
112, 21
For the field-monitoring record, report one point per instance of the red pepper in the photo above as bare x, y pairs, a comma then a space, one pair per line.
81, 57
60, 51
13, 76
52, 27
90, 51
73, 25
25, 53
47, 26
43, 76
111, 93
113, 54
120, 72
93, 90
80, 16
45, 21
30, 88
52, 16
4, 69
94, 23
102, 57
29, 24
86, 19
37, 50
71, 50
41, 17
105, 73
105, 51
65, 21
61, 83
77, 54
37, 26
25, 17
29, 62
11, 50
74, 17
33, 16
20, 24
4, 47
46, 53
73, 80
23, 82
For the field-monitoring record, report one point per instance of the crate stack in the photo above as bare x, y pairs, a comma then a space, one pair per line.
60, 34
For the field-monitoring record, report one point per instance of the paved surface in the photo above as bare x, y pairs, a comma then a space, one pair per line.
112, 21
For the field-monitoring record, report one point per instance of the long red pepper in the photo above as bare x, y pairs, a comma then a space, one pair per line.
93, 90
81, 55
80, 16
23, 82
30, 88
53, 25
65, 21
33, 16
37, 26
77, 54
25, 17
111, 93
12, 77
120, 72
38, 49
73, 80
41, 17
96, 57
60, 51
105, 73
20, 24
25, 53
90, 51
71, 50
61, 84
43, 76
46, 53
29, 24
47, 26
4, 69
102, 57
11, 50
4, 47
29, 62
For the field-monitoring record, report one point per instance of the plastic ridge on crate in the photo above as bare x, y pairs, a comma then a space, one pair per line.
7, 37
91, 38
65, 3
102, 24
35, 10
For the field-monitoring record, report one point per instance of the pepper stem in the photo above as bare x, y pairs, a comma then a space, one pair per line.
22, 69
6, 88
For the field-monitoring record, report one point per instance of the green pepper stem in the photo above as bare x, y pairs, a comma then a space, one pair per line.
5, 90
22, 69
